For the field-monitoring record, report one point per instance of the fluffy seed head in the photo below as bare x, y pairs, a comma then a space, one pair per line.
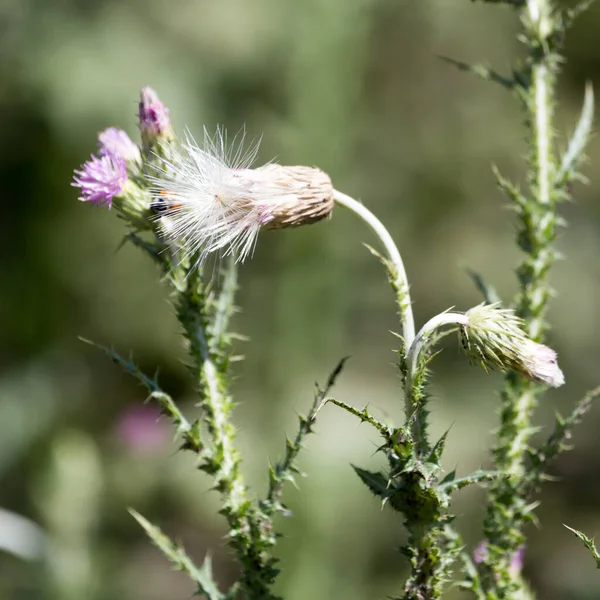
493, 338
210, 200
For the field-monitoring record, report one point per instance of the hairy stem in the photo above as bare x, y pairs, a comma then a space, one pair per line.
400, 280
414, 399
510, 508
423, 338
220, 458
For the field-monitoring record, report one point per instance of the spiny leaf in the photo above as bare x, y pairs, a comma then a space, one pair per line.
488, 291
579, 140
284, 469
571, 14
365, 417
202, 576
151, 249
481, 71
375, 481
189, 432
557, 442
128, 365
476, 477
588, 543
449, 477
511, 190
437, 451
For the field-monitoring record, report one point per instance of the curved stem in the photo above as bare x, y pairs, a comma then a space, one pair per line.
400, 281
414, 405
423, 337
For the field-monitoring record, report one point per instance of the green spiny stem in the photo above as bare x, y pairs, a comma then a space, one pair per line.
215, 402
538, 220
508, 510
285, 469
223, 460
204, 320
414, 396
426, 579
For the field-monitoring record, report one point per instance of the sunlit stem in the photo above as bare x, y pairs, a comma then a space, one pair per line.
430, 333
400, 280
425, 335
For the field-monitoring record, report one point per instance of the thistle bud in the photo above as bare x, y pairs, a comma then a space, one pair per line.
494, 338
210, 200
154, 119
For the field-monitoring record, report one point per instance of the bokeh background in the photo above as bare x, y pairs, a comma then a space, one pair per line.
357, 88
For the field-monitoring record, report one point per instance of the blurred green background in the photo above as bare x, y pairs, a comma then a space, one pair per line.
355, 87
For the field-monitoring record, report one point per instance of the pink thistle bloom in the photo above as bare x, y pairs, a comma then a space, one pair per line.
140, 430
100, 179
541, 363
494, 338
481, 553
115, 142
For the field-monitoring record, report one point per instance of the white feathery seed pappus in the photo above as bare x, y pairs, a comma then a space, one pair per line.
210, 200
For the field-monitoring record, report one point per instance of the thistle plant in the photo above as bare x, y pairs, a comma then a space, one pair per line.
185, 203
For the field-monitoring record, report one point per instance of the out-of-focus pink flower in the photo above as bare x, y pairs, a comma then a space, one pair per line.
480, 554
115, 142
141, 430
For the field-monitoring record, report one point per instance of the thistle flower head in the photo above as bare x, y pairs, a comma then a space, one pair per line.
209, 199
494, 338
140, 429
481, 555
100, 179
153, 115
115, 142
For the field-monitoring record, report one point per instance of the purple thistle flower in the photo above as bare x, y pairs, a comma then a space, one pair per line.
115, 142
140, 429
154, 119
516, 564
481, 553
100, 179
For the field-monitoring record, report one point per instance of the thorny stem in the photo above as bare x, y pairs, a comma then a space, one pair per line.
509, 508
423, 337
415, 405
539, 220
400, 280
221, 459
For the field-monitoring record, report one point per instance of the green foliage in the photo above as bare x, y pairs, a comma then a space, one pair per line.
204, 314
412, 482
534, 85
588, 543
286, 468
202, 576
